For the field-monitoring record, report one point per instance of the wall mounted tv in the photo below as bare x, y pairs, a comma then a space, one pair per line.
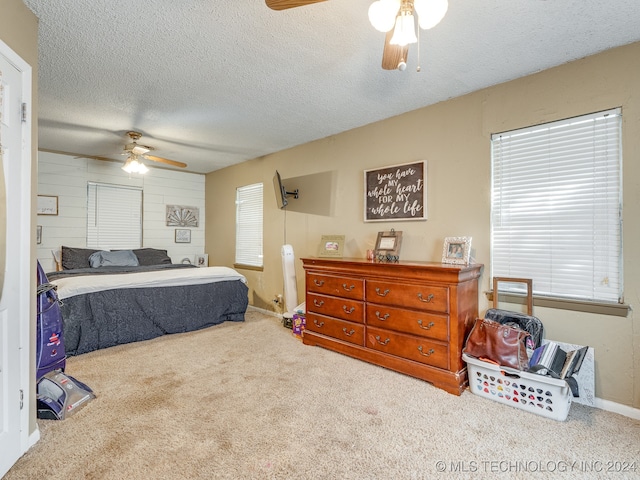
281, 191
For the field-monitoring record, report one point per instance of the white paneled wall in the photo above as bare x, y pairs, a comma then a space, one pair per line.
67, 177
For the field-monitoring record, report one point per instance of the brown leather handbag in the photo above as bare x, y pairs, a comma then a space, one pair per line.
502, 344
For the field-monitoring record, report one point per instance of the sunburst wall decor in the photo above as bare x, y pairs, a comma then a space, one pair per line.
181, 216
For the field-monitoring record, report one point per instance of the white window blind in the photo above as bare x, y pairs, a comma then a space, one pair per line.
114, 216
249, 225
556, 207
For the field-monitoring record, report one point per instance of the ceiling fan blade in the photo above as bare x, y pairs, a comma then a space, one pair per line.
153, 158
90, 157
393, 55
286, 4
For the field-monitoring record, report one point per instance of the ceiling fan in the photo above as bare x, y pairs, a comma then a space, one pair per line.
395, 17
136, 153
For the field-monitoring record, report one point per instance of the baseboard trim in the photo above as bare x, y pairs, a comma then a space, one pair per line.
34, 437
614, 407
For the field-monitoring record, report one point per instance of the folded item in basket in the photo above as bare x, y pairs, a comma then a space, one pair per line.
529, 323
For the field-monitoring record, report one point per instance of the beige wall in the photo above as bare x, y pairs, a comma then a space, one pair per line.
19, 30
453, 136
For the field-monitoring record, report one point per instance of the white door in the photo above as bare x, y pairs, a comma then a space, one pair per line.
15, 240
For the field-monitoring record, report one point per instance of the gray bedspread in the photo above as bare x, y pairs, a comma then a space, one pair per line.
114, 317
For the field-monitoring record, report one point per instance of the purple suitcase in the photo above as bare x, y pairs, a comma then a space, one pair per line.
50, 353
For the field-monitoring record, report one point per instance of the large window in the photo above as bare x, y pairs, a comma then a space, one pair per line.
114, 216
556, 207
249, 225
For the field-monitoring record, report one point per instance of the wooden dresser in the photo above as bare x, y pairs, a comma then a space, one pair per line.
411, 317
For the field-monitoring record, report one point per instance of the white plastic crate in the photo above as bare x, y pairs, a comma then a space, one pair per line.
534, 393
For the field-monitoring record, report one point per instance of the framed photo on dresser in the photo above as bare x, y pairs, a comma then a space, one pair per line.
456, 250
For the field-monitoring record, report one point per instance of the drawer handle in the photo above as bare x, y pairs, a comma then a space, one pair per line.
349, 311
318, 324
318, 303
429, 298
348, 289
428, 354
382, 318
349, 333
318, 283
381, 342
428, 327
383, 294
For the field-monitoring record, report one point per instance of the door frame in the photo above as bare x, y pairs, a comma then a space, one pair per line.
22, 224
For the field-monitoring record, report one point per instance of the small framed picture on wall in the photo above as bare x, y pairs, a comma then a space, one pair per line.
183, 235
47, 205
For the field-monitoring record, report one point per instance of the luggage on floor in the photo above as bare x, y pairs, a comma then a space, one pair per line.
526, 322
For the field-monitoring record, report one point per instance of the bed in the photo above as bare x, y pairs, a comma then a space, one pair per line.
107, 302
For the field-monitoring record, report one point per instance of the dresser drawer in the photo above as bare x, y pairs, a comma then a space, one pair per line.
422, 297
344, 308
332, 327
408, 321
346, 287
408, 346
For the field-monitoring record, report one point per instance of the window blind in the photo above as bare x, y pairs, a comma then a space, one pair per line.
249, 225
114, 217
556, 207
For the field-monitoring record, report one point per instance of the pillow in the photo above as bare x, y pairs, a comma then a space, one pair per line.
73, 258
152, 256
119, 258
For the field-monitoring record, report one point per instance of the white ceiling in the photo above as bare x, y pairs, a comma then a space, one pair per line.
216, 82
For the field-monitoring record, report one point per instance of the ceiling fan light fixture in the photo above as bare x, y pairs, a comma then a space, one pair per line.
140, 150
405, 31
382, 14
133, 165
430, 12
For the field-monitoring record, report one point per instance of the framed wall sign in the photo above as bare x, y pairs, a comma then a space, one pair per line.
396, 193
183, 235
47, 205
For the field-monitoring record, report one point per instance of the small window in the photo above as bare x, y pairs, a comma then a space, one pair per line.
114, 216
249, 225
556, 207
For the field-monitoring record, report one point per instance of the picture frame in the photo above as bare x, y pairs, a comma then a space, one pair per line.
331, 246
456, 250
39, 234
47, 205
183, 235
388, 246
396, 193
201, 260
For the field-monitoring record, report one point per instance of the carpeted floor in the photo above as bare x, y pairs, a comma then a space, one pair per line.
250, 401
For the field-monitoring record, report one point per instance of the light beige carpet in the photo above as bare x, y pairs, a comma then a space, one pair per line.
249, 401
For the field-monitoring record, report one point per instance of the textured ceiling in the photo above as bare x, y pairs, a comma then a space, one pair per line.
215, 82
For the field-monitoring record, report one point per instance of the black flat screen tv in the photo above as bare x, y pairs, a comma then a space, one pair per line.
281, 193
